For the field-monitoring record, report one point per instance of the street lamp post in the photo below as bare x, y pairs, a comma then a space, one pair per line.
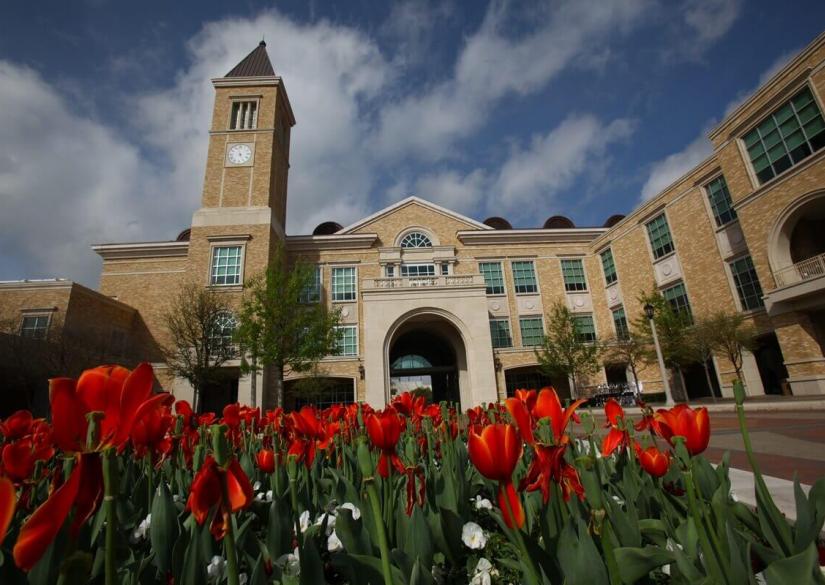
649, 314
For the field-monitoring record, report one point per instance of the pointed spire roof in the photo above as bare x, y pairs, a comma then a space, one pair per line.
256, 64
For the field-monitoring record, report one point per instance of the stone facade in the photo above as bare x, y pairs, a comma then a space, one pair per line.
244, 204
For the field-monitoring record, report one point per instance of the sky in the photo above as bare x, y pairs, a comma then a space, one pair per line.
524, 110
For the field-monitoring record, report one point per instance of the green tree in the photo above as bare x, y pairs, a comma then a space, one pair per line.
565, 352
699, 348
281, 329
199, 322
730, 335
632, 349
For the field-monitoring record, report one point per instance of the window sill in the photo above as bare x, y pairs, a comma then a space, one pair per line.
753, 312
340, 358
663, 257
527, 294
784, 175
725, 226
225, 287
344, 301
497, 295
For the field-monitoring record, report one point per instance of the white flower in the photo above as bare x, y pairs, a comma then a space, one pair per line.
330, 520
483, 503
142, 529
473, 536
303, 520
256, 486
483, 570
243, 579
291, 562
268, 496
356, 513
176, 498
334, 543
215, 568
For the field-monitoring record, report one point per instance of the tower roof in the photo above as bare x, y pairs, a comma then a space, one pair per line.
256, 64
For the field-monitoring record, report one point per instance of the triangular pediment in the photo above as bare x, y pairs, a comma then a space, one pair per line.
405, 204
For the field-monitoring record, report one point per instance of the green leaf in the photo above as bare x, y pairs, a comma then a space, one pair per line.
280, 528
163, 531
635, 563
417, 540
579, 558
312, 568
368, 571
796, 569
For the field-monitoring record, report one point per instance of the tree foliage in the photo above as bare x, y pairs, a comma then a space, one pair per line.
729, 334
564, 352
277, 329
632, 349
196, 352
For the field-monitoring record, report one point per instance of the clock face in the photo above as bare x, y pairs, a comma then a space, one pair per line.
239, 154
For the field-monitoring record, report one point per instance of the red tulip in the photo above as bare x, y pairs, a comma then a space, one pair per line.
495, 453
548, 405
617, 437
548, 465
655, 462
528, 397
17, 425
152, 422
266, 460
83, 491
207, 492
683, 421
384, 429
521, 415
311, 433
8, 499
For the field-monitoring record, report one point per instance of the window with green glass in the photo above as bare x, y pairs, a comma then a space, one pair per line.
747, 283
226, 265
312, 292
620, 323
524, 277
661, 241
500, 333
585, 328
609, 267
720, 201
493, 277
343, 283
572, 271
532, 331
787, 136
347, 340
676, 295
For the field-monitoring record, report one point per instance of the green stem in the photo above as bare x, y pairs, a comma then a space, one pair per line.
229, 540
109, 495
534, 573
149, 482
293, 495
383, 545
712, 560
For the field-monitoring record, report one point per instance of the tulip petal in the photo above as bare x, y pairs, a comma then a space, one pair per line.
90, 490
611, 441
8, 499
613, 411
69, 429
136, 390
238, 487
518, 410
41, 528
510, 504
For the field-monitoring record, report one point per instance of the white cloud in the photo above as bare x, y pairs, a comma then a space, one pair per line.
491, 66
411, 28
531, 177
670, 168
766, 75
65, 181
454, 190
705, 21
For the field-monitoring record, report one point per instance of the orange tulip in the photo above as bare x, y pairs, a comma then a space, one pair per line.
655, 462
495, 453
8, 499
207, 492
683, 421
266, 460
617, 437
549, 405
384, 429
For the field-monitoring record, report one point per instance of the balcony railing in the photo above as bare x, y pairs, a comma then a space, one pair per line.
454, 280
808, 269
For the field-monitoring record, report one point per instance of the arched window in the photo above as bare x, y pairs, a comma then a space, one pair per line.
223, 327
416, 240
411, 362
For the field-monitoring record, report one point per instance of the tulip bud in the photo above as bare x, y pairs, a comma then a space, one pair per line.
220, 446
365, 459
292, 467
739, 392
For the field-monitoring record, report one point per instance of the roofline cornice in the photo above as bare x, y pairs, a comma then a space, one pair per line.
538, 236
28, 284
142, 250
331, 242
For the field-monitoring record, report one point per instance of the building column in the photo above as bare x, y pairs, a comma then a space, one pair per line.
801, 352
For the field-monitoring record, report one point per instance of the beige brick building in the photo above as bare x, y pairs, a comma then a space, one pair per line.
429, 296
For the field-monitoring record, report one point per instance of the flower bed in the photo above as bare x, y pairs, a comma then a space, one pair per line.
126, 486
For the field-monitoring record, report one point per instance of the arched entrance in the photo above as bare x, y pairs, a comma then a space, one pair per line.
797, 237
426, 352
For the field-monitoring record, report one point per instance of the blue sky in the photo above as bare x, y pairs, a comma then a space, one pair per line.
519, 109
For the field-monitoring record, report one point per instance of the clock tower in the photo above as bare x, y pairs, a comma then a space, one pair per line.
247, 163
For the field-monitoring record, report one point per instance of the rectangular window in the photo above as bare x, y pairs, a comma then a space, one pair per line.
676, 295
226, 265
573, 273
244, 116
347, 340
524, 277
343, 283
493, 277
609, 267
312, 292
659, 233
532, 331
720, 201
418, 270
500, 333
389, 270
585, 328
34, 326
620, 323
786, 137
445, 268
747, 283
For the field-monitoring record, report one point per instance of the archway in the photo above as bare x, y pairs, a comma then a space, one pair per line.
426, 352
797, 235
